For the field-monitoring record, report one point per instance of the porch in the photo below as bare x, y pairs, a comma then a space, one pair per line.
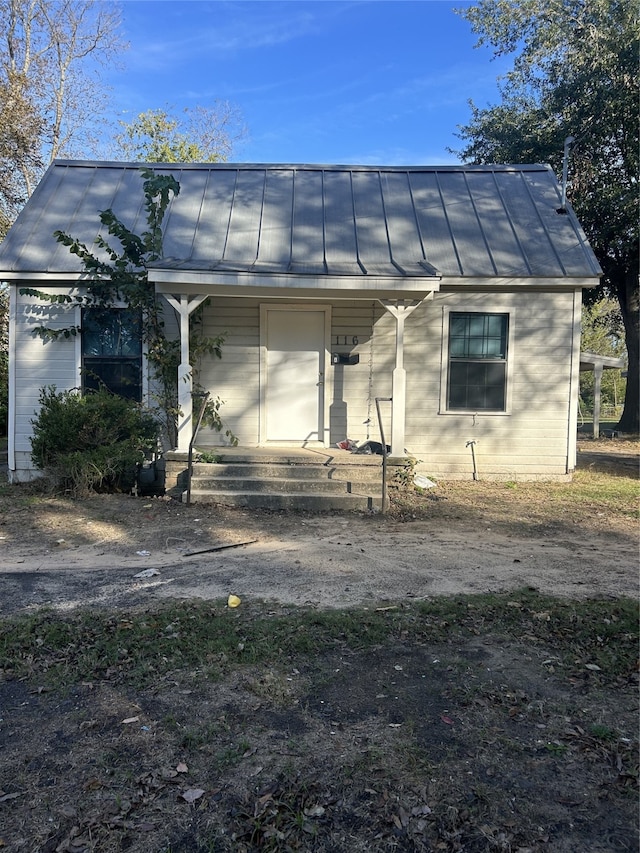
311, 479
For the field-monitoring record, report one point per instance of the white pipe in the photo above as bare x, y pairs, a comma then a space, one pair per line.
565, 172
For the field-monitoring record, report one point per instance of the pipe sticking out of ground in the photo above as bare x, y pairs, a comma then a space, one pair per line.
472, 445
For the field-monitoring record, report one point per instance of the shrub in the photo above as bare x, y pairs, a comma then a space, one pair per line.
91, 442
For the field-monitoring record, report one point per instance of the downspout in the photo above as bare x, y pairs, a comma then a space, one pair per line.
11, 425
574, 385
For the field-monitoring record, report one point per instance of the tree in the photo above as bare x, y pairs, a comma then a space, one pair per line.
575, 73
48, 55
202, 135
21, 127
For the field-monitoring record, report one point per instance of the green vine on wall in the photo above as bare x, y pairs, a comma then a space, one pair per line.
113, 278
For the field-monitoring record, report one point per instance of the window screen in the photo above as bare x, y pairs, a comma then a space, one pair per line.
477, 361
112, 351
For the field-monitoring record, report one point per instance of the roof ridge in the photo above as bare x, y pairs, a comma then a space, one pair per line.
343, 167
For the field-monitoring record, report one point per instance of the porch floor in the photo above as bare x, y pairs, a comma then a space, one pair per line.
288, 455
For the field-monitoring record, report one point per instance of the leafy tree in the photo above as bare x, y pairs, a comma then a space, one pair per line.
48, 55
115, 276
575, 73
201, 135
21, 128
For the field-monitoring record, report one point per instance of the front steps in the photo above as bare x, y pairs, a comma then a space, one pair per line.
308, 480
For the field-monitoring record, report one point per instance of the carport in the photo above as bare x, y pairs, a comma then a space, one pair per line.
598, 363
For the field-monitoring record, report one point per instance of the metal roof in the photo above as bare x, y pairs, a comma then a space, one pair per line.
311, 220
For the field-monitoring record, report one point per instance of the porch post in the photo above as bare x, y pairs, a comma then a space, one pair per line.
185, 382
400, 309
597, 397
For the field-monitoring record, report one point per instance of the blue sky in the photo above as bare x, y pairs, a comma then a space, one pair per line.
316, 81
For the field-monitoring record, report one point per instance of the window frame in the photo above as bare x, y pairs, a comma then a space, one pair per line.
508, 361
139, 358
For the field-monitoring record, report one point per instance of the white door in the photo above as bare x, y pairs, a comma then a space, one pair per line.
294, 373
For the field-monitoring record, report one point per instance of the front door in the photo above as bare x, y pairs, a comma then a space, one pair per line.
294, 344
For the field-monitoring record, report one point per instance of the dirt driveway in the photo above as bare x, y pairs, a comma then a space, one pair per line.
117, 550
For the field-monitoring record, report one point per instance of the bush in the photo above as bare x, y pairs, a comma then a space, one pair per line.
91, 442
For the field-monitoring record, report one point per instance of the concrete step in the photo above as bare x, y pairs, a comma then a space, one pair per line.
296, 470
298, 484
290, 501
289, 480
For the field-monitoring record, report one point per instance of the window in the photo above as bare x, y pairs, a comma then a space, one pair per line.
477, 362
112, 351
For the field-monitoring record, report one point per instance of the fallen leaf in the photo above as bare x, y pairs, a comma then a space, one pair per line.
593, 667
233, 601
147, 573
191, 795
182, 767
168, 773
130, 720
315, 811
446, 720
5, 797
67, 810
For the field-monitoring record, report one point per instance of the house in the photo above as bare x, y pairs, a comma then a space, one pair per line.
448, 298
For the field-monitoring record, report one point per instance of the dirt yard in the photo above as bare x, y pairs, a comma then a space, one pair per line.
508, 724
462, 538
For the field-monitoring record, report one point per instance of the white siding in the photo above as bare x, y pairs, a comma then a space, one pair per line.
531, 439
35, 365
235, 378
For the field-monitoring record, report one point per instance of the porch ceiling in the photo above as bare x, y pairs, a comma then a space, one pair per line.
178, 282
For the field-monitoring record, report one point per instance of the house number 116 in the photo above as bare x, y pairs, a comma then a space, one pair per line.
343, 340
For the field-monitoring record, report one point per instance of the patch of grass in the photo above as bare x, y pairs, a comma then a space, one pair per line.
592, 636
208, 456
602, 732
615, 494
597, 491
466, 722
